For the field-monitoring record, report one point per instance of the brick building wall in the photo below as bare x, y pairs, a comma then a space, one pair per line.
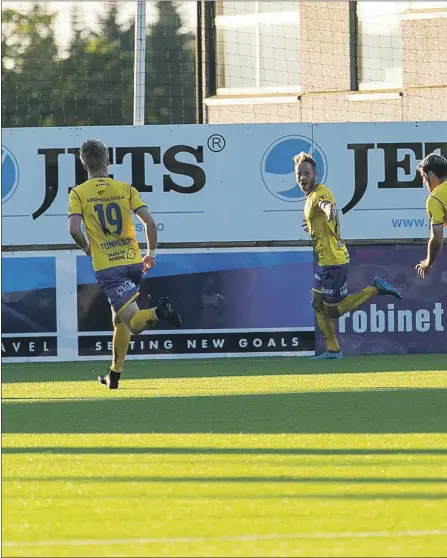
325, 74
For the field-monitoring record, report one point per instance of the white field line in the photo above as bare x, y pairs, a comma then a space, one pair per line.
237, 538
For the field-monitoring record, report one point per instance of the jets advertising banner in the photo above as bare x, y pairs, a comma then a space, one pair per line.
417, 324
233, 303
225, 183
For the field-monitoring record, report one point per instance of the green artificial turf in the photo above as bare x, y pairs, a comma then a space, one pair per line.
263, 457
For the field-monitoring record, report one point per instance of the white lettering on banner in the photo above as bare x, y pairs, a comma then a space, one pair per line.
377, 321
270, 342
217, 343
359, 322
192, 187
26, 347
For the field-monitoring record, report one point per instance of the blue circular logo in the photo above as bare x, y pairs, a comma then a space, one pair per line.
10, 174
278, 170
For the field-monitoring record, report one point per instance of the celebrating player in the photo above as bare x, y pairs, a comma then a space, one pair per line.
105, 206
433, 170
330, 293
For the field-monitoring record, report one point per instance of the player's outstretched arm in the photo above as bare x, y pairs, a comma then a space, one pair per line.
328, 208
433, 249
75, 230
150, 227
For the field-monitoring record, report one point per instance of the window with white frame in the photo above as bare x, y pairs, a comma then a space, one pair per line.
257, 46
379, 53
380, 44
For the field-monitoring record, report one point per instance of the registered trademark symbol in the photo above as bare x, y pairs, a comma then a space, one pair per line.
216, 143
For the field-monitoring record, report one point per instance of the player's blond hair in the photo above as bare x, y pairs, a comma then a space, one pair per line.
94, 155
304, 157
435, 163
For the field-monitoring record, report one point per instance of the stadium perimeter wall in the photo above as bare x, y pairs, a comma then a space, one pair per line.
327, 46
220, 186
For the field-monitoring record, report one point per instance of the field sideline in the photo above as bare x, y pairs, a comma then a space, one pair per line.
262, 457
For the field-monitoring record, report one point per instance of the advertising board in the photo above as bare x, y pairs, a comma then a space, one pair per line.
233, 303
225, 183
416, 324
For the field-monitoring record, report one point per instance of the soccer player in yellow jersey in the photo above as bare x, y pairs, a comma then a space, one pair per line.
106, 206
433, 170
330, 292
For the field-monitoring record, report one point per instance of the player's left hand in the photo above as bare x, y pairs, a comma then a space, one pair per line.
148, 263
423, 268
304, 225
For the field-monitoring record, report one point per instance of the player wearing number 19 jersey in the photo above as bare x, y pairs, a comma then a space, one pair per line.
330, 298
106, 206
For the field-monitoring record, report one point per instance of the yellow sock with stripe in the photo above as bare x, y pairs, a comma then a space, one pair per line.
352, 302
139, 321
121, 339
327, 326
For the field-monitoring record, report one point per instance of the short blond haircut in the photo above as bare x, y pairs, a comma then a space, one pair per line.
304, 157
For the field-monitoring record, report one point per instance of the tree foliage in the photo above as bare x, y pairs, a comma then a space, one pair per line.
91, 83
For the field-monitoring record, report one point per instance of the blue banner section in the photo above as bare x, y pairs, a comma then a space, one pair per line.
216, 290
181, 264
28, 300
28, 274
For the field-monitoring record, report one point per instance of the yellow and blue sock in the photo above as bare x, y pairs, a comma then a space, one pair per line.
352, 302
327, 326
120, 345
141, 319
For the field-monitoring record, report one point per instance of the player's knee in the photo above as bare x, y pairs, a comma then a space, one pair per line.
317, 301
332, 310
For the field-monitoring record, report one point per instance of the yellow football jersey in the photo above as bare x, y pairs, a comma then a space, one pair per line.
106, 206
328, 244
437, 205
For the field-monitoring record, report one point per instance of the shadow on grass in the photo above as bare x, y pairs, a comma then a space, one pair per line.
230, 479
82, 450
373, 412
85, 371
154, 497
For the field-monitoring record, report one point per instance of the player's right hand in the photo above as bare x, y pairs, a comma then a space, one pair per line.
304, 225
422, 269
88, 250
148, 263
